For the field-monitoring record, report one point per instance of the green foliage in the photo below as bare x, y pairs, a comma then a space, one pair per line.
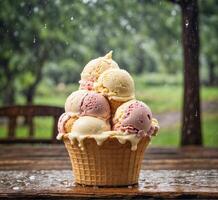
55, 39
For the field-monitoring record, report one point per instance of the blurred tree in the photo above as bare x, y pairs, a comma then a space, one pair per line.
56, 38
191, 122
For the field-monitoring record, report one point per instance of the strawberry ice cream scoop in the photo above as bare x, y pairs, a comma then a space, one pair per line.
95, 105
63, 120
133, 117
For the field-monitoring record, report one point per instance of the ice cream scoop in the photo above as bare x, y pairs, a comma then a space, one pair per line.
94, 69
89, 125
65, 123
133, 117
96, 105
88, 103
116, 84
73, 101
154, 128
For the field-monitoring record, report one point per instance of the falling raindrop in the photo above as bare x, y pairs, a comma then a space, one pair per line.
45, 26
186, 23
72, 18
34, 39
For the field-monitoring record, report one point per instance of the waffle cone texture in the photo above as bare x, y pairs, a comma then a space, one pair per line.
114, 104
111, 164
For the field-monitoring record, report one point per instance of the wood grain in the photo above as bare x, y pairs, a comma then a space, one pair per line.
58, 184
44, 172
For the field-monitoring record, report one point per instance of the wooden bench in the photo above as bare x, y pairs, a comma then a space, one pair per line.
29, 112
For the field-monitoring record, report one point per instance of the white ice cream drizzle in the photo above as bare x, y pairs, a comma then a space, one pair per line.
100, 138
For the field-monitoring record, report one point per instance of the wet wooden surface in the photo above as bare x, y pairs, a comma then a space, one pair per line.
44, 172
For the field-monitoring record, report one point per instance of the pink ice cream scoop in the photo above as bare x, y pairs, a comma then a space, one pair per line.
86, 85
62, 120
136, 118
96, 105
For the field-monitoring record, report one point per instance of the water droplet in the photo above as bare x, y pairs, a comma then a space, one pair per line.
186, 23
72, 18
32, 178
45, 26
34, 40
15, 188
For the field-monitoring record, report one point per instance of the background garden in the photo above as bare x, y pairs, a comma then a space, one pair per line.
44, 46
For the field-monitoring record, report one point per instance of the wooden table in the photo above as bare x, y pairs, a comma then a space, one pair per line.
44, 172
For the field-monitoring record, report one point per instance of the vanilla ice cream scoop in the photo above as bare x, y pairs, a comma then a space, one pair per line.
89, 125
73, 101
94, 69
116, 84
133, 117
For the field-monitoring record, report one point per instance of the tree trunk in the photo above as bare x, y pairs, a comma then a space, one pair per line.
191, 125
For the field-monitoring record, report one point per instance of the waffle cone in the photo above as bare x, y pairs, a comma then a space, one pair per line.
111, 164
114, 104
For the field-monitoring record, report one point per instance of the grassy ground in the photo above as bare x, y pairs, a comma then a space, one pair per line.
161, 99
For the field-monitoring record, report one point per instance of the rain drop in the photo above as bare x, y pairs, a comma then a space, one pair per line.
34, 40
72, 18
186, 23
45, 26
